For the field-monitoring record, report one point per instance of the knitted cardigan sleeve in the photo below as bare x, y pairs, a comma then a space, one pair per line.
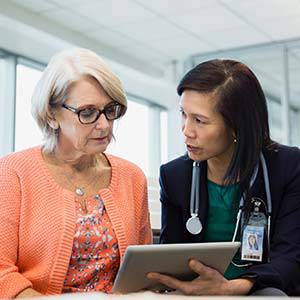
145, 227
11, 281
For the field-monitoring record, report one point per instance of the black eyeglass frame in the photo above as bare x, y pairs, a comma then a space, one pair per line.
100, 112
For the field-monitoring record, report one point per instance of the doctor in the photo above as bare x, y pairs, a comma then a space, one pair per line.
244, 184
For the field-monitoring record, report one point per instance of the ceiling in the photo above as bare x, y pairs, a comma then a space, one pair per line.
158, 32
158, 37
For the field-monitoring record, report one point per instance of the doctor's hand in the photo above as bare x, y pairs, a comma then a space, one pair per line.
209, 282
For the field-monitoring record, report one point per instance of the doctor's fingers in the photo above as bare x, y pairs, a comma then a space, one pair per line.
204, 271
183, 286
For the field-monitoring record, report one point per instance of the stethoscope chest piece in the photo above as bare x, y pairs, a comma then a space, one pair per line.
194, 225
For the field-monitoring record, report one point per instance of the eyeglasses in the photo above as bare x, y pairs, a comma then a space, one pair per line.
90, 115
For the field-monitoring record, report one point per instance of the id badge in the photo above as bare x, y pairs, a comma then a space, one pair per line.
252, 243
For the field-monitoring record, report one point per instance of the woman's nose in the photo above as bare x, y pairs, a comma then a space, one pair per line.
187, 129
102, 122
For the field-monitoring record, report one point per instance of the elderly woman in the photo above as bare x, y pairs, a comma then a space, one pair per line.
247, 185
68, 210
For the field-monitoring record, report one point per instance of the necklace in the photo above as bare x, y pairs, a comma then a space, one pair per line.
79, 191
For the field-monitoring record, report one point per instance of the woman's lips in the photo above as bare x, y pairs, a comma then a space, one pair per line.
101, 139
192, 149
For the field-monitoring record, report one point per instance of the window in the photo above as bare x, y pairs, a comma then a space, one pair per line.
164, 136
274, 111
131, 133
3, 130
294, 127
7, 101
27, 133
136, 141
294, 93
2, 74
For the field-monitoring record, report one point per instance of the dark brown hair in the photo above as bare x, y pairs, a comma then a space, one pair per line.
242, 104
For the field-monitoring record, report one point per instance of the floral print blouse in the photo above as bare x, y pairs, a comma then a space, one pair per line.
95, 257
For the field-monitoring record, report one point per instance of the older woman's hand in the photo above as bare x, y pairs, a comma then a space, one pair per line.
209, 282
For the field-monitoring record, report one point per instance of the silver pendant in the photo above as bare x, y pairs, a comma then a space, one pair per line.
193, 225
79, 191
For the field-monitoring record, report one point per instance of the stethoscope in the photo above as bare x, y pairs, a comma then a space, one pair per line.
194, 225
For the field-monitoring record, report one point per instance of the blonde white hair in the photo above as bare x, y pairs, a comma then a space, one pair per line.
52, 89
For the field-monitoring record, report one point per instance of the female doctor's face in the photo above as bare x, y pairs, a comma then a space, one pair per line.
206, 136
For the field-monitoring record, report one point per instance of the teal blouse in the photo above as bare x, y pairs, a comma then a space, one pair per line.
222, 212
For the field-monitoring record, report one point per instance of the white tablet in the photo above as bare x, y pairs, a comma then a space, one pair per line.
170, 259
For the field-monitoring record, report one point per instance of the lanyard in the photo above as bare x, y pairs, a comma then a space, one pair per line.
238, 217
268, 194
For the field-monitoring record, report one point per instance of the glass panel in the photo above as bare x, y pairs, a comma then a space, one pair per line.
132, 136
164, 136
2, 74
275, 120
294, 127
7, 103
27, 133
2, 102
294, 84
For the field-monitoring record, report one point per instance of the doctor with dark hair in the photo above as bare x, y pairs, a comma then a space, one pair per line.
244, 184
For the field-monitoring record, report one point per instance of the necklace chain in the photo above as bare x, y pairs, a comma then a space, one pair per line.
79, 191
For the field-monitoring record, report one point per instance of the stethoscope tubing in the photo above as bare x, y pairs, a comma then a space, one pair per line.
194, 204
195, 193
195, 197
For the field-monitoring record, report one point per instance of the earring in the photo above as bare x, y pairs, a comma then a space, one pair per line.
234, 140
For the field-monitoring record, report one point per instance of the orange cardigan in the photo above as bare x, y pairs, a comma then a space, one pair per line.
37, 220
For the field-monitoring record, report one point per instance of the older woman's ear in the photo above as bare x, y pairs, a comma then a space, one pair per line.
52, 122
54, 125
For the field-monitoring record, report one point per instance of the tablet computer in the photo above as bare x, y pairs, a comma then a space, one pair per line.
170, 259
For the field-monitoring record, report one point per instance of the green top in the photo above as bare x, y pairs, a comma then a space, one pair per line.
221, 221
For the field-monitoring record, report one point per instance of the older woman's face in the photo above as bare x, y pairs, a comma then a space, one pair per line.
79, 139
206, 136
